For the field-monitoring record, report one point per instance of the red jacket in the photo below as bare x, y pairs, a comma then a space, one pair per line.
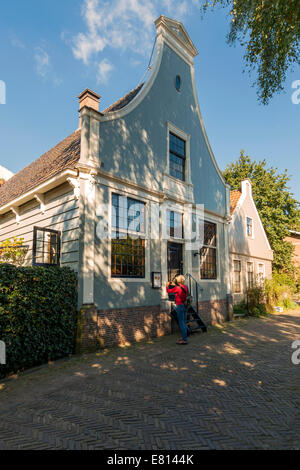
181, 293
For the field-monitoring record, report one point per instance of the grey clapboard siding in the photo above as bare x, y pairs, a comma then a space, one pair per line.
62, 214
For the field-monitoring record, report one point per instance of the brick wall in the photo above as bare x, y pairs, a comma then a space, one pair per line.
214, 311
295, 241
121, 327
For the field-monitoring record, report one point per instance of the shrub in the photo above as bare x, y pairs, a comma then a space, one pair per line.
256, 299
38, 315
279, 289
240, 308
288, 304
13, 251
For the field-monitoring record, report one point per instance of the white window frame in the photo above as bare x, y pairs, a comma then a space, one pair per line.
233, 280
170, 238
141, 198
264, 270
176, 207
171, 128
252, 263
218, 278
249, 236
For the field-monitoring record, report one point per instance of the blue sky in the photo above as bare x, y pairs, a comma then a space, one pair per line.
52, 50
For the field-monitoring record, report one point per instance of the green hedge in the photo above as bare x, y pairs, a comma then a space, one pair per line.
38, 315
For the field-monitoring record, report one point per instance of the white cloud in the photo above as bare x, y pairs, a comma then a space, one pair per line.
43, 66
125, 25
104, 70
16, 42
42, 62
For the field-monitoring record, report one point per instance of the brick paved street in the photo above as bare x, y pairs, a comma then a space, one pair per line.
234, 388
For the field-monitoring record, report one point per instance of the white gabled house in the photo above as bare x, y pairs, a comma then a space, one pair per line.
250, 253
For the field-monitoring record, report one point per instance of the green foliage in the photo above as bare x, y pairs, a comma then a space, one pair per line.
256, 302
38, 315
276, 205
289, 304
269, 30
240, 308
13, 251
279, 289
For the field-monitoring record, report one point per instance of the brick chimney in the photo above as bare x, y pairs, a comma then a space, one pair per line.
90, 99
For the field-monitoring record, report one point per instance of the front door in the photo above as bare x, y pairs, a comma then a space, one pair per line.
175, 260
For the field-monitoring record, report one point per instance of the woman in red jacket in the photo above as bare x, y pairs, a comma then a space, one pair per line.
181, 292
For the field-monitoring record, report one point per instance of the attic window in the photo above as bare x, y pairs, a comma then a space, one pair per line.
177, 156
249, 223
178, 83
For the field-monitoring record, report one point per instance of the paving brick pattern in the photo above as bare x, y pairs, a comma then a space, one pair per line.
234, 388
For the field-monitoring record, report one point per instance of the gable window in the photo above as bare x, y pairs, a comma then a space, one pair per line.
208, 252
237, 277
178, 83
249, 222
46, 247
177, 156
250, 275
175, 224
127, 237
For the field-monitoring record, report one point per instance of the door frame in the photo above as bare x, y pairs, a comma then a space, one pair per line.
181, 245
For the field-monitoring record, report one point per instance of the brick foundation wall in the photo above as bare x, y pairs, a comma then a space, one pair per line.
120, 327
106, 328
214, 311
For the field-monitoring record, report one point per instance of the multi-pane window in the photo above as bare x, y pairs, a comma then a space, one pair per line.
237, 268
177, 157
261, 272
250, 275
46, 247
208, 253
128, 237
249, 227
175, 224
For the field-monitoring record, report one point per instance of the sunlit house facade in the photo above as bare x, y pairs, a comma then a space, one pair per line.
118, 199
251, 255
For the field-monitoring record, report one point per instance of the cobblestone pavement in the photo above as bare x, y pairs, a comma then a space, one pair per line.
234, 388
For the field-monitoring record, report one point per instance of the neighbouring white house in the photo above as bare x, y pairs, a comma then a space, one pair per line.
250, 253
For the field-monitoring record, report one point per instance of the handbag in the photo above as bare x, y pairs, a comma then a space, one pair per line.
188, 301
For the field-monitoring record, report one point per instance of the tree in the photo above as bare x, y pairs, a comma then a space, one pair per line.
270, 32
277, 208
13, 251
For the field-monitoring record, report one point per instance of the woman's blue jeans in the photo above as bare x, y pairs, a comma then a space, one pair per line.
181, 315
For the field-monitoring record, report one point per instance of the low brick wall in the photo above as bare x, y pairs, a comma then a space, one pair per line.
214, 311
120, 327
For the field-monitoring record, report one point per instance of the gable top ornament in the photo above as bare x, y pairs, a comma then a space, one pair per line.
175, 35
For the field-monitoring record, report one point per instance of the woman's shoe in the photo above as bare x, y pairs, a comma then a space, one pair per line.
181, 342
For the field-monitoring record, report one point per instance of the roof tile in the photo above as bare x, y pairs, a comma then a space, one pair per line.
234, 199
124, 101
61, 157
